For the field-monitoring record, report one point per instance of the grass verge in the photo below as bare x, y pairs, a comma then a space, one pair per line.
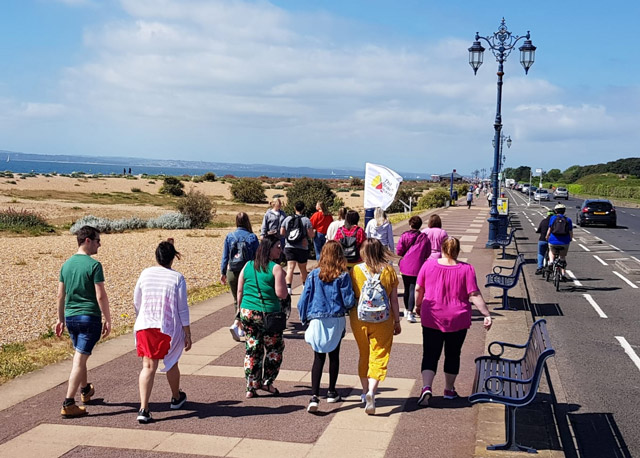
20, 358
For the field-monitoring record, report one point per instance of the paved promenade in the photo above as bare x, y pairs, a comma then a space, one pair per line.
218, 421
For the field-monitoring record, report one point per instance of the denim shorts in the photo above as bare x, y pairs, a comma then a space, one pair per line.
84, 331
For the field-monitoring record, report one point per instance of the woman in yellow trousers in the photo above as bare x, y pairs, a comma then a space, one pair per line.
374, 339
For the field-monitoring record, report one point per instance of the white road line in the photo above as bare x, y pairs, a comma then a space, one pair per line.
600, 260
583, 247
632, 214
615, 248
626, 280
629, 351
586, 231
602, 240
575, 280
533, 225
595, 305
633, 257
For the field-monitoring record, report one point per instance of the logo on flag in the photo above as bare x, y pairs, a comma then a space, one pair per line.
382, 186
377, 183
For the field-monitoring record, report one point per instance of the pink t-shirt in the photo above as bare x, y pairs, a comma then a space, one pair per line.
436, 236
446, 303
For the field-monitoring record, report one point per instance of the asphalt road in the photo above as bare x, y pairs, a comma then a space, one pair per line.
593, 323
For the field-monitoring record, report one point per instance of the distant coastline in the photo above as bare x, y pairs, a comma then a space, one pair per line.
65, 164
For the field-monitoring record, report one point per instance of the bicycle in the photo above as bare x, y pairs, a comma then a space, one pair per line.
554, 270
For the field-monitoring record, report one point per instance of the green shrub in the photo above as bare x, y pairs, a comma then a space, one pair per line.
337, 203
136, 190
355, 194
23, 221
248, 190
197, 179
309, 191
403, 194
197, 207
209, 176
356, 182
342, 190
172, 186
433, 199
462, 189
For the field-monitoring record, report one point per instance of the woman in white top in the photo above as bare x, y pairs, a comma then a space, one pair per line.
162, 328
380, 228
336, 224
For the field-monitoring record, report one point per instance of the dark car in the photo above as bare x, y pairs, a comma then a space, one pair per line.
596, 211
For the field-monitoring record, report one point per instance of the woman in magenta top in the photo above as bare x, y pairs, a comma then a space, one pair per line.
436, 235
445, 289
415, 248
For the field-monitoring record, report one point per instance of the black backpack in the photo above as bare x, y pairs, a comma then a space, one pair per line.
295, 229
349, 245
238, 256
560, 226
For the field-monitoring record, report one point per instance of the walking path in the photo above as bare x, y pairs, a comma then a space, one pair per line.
218, 421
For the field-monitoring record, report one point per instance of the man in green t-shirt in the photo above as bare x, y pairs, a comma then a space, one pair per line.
82, 300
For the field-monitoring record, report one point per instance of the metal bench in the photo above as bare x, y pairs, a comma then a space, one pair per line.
512, 382
504, 242
498, 280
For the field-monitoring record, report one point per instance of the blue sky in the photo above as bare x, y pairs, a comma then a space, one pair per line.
319, 83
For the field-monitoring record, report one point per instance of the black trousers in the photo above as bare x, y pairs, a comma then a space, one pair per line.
433, 340
409, 291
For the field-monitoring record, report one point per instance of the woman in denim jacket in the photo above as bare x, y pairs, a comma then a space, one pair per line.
326, 299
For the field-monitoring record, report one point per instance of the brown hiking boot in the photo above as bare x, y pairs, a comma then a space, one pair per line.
73, 411
87, 397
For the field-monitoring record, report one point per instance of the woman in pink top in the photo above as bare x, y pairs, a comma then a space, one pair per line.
414, 247
436, 235
445, 289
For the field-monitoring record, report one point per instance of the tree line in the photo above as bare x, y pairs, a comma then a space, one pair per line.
628, 166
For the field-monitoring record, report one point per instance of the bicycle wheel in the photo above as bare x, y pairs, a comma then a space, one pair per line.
556, 278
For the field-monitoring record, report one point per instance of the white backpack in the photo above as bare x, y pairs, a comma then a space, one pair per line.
373, 305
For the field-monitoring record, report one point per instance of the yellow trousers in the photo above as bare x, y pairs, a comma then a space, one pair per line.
374, 344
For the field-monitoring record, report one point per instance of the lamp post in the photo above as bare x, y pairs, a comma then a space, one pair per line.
502, 158
501, 43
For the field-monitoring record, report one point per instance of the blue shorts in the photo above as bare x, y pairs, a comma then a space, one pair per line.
84, 331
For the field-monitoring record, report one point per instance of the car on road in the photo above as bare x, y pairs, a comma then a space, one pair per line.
531, 191
596, 211
524, 189
541, 194
561, 193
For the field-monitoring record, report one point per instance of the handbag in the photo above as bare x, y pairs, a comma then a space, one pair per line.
274, 322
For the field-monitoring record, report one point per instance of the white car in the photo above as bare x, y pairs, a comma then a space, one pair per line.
561, 193
541, 194
525, 188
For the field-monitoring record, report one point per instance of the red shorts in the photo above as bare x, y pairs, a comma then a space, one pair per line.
152, 343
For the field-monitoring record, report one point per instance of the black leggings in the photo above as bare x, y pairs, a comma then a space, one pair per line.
409, 291
316, 370
432, 342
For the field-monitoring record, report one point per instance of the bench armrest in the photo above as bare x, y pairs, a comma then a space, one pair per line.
501, 381
502, 345
498, 269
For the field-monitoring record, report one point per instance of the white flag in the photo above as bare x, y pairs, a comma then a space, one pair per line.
380, 186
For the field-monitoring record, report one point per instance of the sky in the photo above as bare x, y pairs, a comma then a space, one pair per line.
318, 83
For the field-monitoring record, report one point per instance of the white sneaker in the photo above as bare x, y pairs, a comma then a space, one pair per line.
411, 318
370, 404
289, 291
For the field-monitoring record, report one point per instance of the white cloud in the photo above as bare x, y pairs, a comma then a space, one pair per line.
41, 110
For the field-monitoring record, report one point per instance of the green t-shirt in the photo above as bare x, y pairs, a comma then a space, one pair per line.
79, 274
250, 298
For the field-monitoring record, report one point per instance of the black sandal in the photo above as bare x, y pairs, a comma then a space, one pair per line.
268, 389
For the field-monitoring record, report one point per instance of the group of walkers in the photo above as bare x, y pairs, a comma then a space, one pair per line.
354, 277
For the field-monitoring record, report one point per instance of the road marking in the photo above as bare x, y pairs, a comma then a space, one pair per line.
633, 257
575, 280
586, 230
615, 248
625, 279
602, 240
629, 351
583, 247
533, 225
595, 305
632, 214
600, 260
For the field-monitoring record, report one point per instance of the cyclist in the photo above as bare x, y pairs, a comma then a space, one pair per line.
559, 236
542, 229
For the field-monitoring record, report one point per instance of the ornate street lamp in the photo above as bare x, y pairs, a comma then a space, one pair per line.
501, 43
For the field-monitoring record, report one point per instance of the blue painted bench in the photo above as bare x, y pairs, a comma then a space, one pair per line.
499, 280
512, 382
504, 242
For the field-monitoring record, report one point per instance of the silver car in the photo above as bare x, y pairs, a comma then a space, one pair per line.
541, 194
561, 193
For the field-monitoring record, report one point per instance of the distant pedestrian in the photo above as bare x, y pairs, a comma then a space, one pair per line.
489, 197
273, 219
260, 286
239, 248
380, 228
436, 235
162, 329
326, 299
477, 192
414, 247
82, 301
337, 223
374, 336
469, 199
297, 231
351, 236
320, 221
129, 170
445, 291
